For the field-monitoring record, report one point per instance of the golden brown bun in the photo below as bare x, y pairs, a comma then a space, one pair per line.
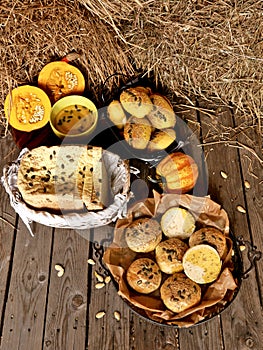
137, 132
179, 293
177, 222
202, 263
169, 255
116, 114
147, 90
144, 275
162, 115
211, 236
143, 235
136, 102
161, 139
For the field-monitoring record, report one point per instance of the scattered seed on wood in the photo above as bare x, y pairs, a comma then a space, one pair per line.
223, 174
242, 248
98, 276
233, 252
247, 184
107, 279
99, 285
117, 315
60, 270
241, 209
100, 314
91, 261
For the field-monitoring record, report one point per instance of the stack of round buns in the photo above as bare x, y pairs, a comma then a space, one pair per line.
147, 118
175, 259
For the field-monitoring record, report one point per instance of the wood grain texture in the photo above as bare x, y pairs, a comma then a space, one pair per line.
105, 333
67, 303
25, 309
8, 152
242, 321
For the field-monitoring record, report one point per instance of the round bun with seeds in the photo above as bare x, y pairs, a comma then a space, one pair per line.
136, 102
202, 263
144, 276
169, 255
137, 132
211, 236
178, 292
143, 235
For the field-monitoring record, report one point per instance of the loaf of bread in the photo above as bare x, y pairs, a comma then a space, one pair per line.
179, 293
144, 275
64, 178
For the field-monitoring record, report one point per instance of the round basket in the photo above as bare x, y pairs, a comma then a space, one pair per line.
118, 172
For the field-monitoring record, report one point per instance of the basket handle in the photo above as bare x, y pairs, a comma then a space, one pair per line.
253, 255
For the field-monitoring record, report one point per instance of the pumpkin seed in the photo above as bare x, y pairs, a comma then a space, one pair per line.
100, 314
117, 315
241, 209
60, 270
107, 279
99, 285
242, 248
247, 184
91, 261
223, 174
98, 276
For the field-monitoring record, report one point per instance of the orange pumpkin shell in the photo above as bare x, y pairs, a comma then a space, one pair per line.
59, 79
27, 108
179, 171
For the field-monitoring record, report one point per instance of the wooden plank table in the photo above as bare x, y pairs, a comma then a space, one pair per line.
40, 310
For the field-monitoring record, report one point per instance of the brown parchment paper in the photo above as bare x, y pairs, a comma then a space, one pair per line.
118, 258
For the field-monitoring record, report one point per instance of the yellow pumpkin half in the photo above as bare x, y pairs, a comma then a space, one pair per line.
27, 108
59, 79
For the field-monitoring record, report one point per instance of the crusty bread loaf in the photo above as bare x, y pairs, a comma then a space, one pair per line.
56, 178
144, 275
179, 293
202, 263
143, 235
169, 255
211, 236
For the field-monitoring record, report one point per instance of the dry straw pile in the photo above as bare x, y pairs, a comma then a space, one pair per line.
196, 48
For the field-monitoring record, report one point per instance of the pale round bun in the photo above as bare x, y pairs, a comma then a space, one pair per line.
136, 102
179, 292
169, 255
178, 222
144, 276
202, 263
143, 235
211, 236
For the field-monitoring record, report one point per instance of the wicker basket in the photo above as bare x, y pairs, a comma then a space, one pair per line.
118, 172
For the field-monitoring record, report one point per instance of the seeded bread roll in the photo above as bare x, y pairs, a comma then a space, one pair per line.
179, 293
144, 276
162, 115
136, 102
137, 132
211, 236
169, 255
56, 178
202, 263
161, 139
177, 222
143, 235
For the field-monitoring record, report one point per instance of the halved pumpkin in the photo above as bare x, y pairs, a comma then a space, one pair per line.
27, 108
59, 79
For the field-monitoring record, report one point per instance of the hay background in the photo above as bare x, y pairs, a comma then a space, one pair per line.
193, 49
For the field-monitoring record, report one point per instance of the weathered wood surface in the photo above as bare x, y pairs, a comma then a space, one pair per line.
43, 311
